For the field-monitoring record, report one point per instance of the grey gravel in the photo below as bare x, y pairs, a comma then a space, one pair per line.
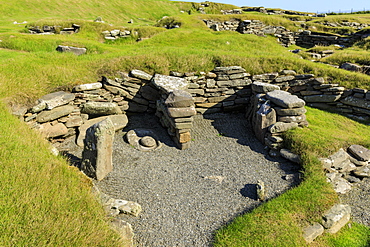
188, 194
359, 199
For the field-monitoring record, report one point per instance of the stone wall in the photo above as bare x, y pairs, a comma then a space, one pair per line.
176, 98
286, 37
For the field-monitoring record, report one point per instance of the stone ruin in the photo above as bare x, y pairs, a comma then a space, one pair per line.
274, 103
303, 38
46, 29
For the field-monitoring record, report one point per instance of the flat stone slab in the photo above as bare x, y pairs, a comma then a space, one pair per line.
56, 99
141, 74
88, 87
119, 122
100, 108
261, 87
312, 232
357, 102
361, 153
321, 98
169, 83
179, 98
285, 99
336, 217
75, 50
282, 127
55, 113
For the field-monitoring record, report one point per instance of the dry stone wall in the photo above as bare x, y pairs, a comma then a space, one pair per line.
304, 38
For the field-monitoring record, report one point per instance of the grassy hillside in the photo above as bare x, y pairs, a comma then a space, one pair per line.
30, 177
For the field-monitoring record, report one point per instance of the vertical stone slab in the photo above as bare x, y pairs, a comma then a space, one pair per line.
262, 120
98, 148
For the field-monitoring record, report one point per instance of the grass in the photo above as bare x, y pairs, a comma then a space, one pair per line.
31, 178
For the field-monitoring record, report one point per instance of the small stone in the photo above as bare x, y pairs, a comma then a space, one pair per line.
362, 172
336, 217
361, 153
148, 141
312, 232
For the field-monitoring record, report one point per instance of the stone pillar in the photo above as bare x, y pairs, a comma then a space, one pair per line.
175, 108
98, 148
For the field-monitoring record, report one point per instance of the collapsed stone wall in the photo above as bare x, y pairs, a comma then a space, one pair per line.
304, 38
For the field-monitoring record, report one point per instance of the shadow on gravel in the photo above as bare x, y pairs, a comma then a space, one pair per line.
249, 191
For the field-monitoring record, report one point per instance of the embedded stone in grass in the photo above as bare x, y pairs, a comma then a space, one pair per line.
336, 217
312, 232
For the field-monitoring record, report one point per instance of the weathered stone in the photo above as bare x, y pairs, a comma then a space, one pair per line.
341, 185
179, 99
322, 98
124, 229
336, 217
55, 113
88, 87
183, 137
267, 76
74, 121
75, 50
353, 101
287, 154
140, 101
49, 131
312, 232
119, 122
261, 87
290, 112
339, 157
143, 140
98, 148
290, 119
100, 108
196, 91
149, 93
181, 112
127, 207
140, 75
261, 190
56, 99
262, 120
362, 172
234, 83
285, 99
284, 78
39, 107
282, 127
351, 67
169, 83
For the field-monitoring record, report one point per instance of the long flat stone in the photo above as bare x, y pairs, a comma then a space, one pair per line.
55, 113
169, 83
353, 101
56, 99
261, 87
100, 108
323, 98
361, 153
285, 99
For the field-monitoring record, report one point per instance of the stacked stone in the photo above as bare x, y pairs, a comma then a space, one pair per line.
53, 29
232, 12
64, 115
116, 34
231, 25
175, 109
275, 111
225, 89
251, 27
346, 168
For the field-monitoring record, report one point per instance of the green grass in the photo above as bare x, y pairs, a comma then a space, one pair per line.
30, 178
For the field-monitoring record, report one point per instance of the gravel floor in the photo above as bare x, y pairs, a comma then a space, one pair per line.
359, 199
188, 194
